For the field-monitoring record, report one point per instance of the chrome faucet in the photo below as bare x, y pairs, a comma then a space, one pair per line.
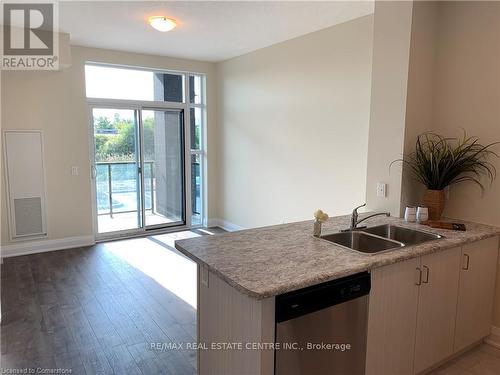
354, 218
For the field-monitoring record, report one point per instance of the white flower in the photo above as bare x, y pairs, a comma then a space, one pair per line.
321, 216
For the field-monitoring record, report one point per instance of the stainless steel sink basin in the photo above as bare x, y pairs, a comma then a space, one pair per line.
362, 242
400, 234
380, 238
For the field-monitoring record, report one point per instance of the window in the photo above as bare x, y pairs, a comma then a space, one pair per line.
197, 121
195, 89
132, 84
144, 92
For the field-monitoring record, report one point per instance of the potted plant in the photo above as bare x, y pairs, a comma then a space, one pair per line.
439, 162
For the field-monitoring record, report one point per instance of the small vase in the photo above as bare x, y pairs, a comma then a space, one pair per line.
435, 200
317, 228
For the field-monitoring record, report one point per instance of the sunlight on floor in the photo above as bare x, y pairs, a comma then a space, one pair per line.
168, 268
128, 220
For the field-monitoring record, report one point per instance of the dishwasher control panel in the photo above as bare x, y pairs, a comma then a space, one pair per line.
317, 297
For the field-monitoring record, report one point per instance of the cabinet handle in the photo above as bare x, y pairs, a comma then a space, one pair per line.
427, 272
419, 282
467, 259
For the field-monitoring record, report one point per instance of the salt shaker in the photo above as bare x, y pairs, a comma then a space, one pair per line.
422, 214
410, 214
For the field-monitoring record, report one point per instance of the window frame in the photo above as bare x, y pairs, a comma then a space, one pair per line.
203, 145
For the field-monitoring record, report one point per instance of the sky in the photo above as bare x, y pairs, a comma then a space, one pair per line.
128, 84
116, 83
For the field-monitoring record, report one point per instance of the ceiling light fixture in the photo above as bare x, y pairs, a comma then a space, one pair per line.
162, 23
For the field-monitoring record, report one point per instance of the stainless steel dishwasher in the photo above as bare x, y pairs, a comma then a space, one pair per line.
322, 329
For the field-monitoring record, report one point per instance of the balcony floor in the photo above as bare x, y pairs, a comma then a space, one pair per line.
128, 221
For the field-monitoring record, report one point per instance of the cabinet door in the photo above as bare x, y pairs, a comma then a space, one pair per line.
476, 292
392, 318
437, 308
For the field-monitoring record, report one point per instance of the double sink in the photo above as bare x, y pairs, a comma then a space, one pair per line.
380, 238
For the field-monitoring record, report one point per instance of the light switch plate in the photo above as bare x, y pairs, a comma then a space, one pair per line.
74, 171
381, 189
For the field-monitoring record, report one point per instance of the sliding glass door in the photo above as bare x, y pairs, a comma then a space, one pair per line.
164, 175
116, 167
139, 173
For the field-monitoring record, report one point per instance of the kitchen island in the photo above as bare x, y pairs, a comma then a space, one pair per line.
241, 273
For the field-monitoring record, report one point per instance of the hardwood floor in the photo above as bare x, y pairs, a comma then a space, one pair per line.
102, 309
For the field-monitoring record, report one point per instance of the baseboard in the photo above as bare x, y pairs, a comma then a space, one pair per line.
230, 227
41, 246
494, 338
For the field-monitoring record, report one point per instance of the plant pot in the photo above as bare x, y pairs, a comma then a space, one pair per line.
435, 200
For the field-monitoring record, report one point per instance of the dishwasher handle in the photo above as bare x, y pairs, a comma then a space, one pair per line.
308, 300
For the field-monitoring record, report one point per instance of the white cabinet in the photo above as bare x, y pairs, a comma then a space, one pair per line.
476, 292
437, 306
424, 310
225, 315
391, 320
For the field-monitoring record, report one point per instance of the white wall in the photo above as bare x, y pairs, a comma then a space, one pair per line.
293, 127
55, 103
391, 48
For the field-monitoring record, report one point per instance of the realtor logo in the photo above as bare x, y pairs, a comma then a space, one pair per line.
29, 36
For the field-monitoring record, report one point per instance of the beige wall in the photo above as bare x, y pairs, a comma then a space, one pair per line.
420, 95
467, 95
293, 127
55, 103
391, 48
454, 83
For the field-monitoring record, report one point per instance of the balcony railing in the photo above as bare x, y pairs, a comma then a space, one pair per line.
117, 185
120, 180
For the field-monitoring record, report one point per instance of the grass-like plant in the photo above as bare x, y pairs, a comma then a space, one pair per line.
438, 162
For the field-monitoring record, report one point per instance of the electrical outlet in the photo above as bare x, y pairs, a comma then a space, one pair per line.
381, 190
74, 171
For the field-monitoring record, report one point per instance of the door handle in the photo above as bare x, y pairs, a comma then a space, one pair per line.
419, 282
93, 171
467, 260
427, 271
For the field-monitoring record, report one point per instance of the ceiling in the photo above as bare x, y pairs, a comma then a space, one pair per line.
207, 30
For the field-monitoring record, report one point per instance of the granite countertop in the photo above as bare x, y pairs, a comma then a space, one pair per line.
268, 261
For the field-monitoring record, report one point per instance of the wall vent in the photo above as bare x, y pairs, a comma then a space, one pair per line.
25, 177
28, 215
